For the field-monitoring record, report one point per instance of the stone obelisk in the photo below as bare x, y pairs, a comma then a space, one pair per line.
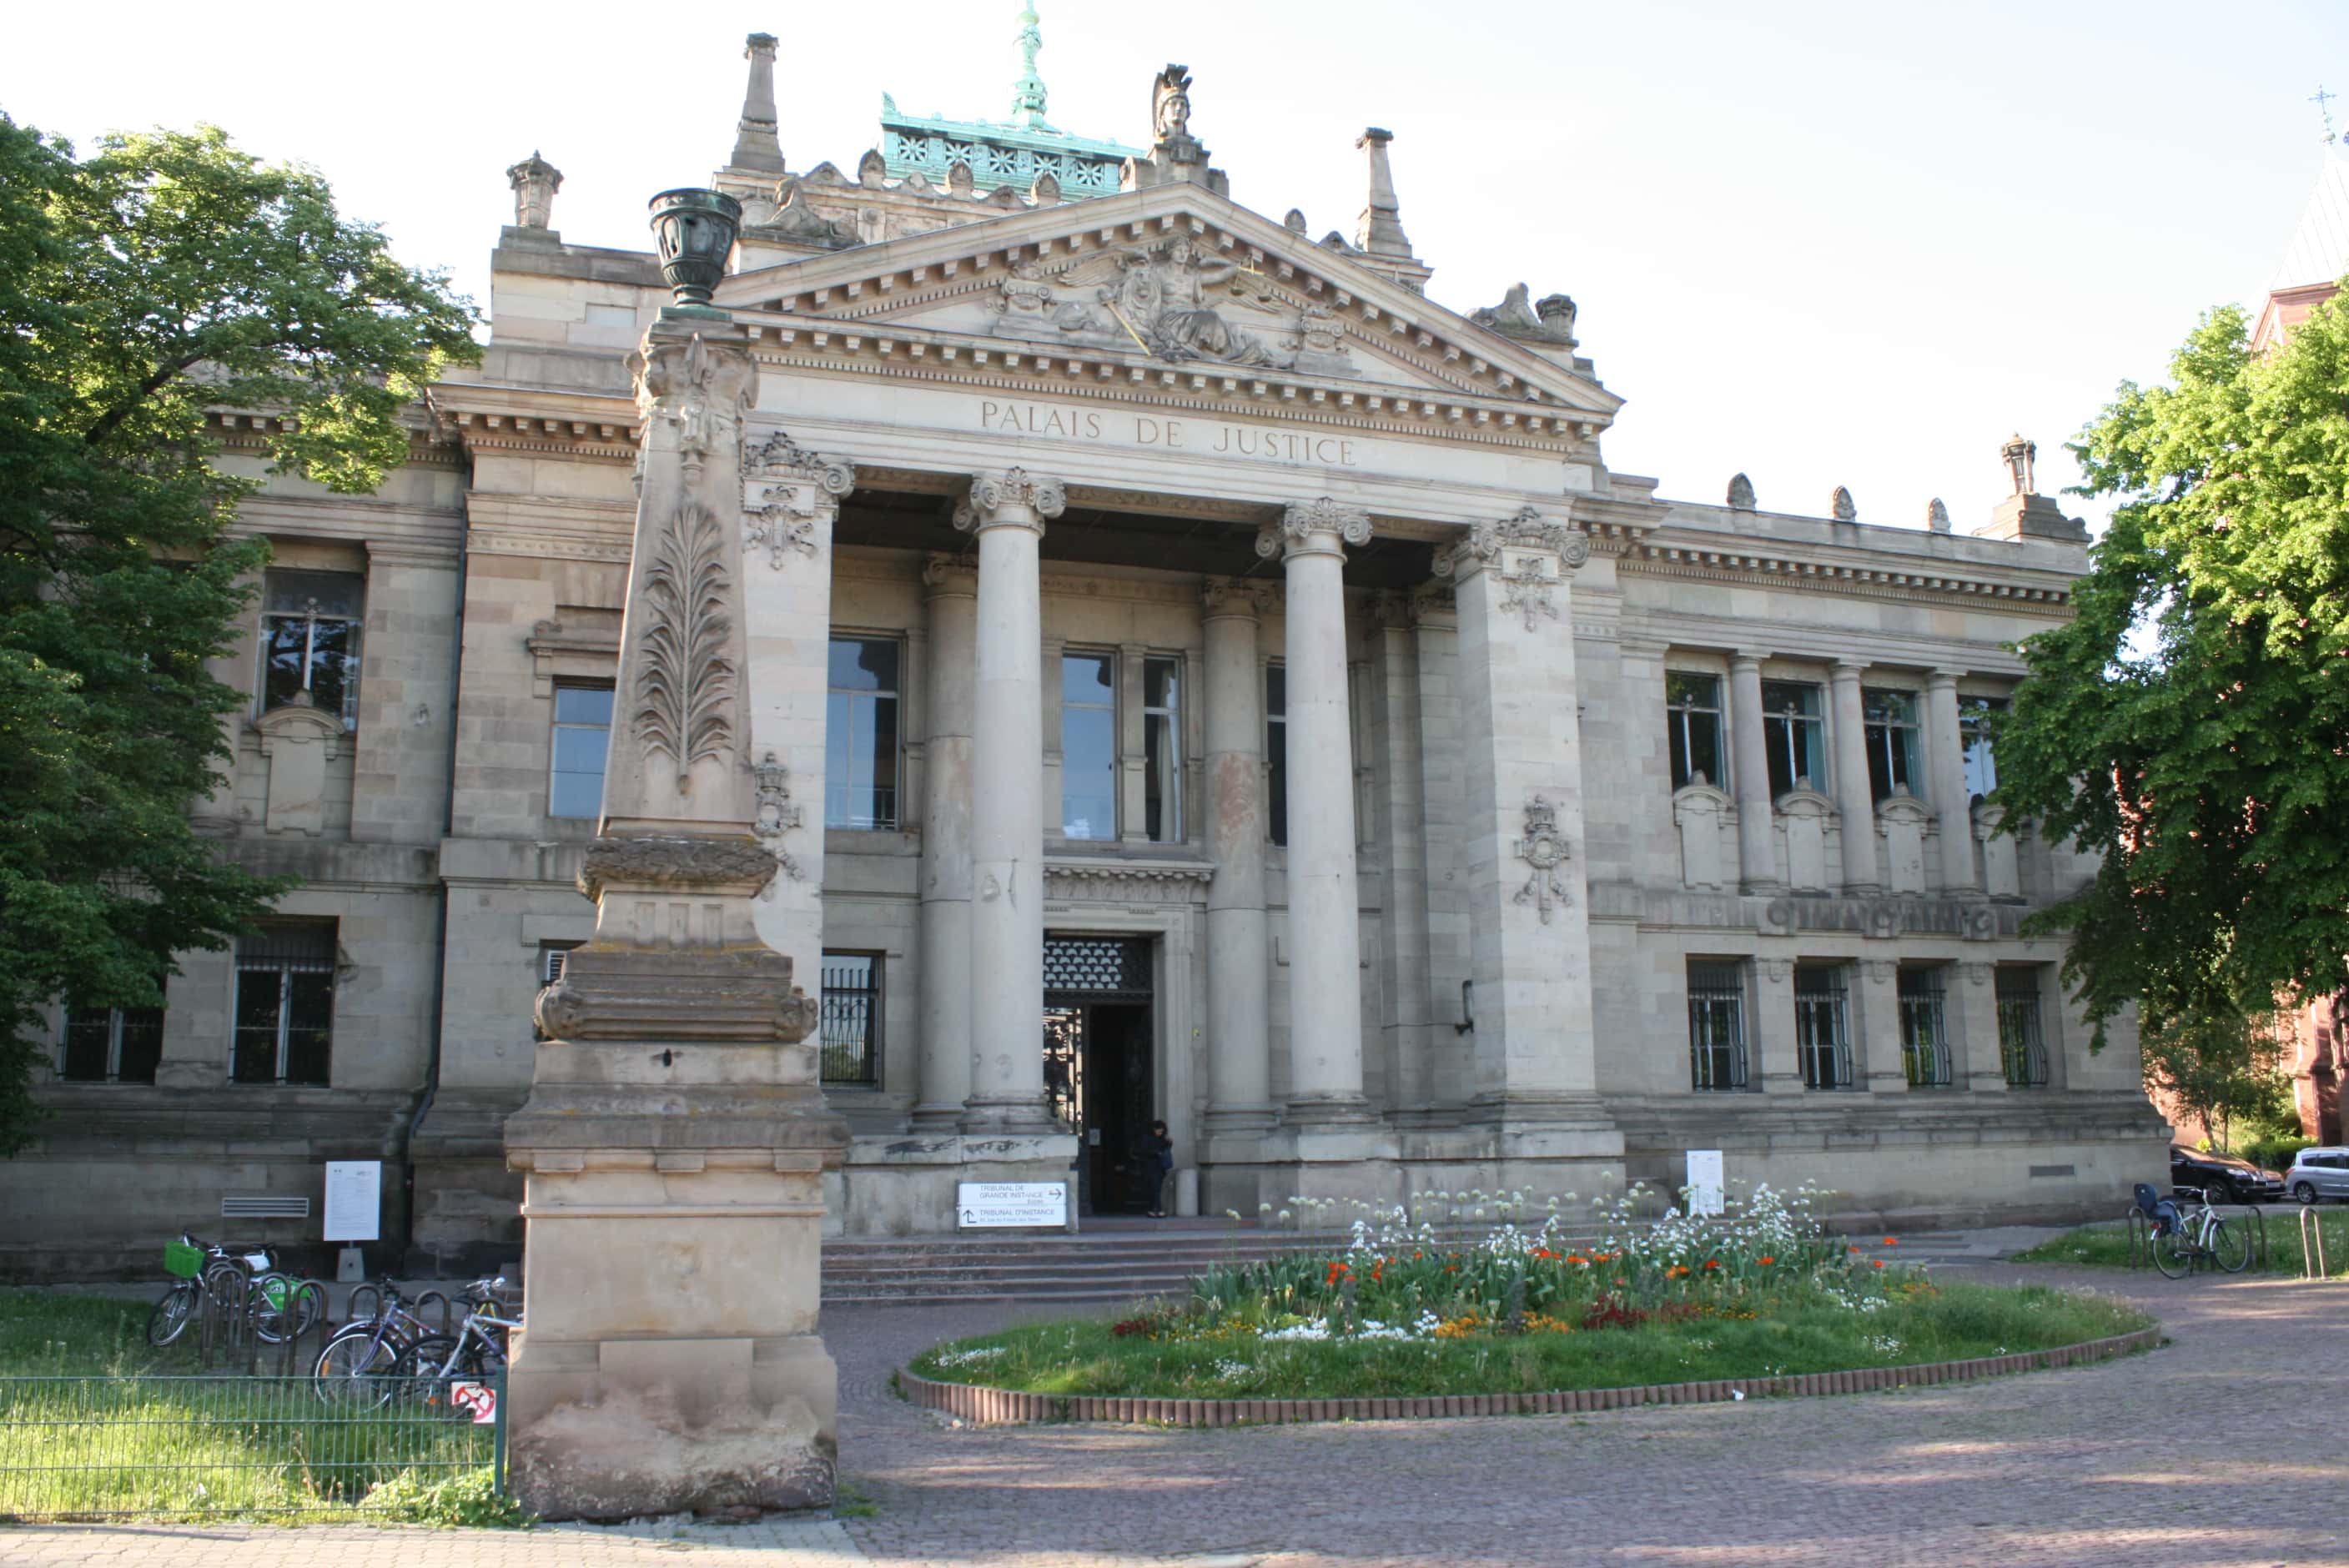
675, 1138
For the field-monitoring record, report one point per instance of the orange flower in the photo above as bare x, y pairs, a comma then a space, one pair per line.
1880, 1262
1890, 1241
1854, 1251
1765, 1259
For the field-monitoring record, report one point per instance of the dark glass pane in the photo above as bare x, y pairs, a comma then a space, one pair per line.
1782, 765
310, 1028
1276, 753
578, 749
1705, 746
1086, 678
1778, 697
879, 760
282, 644
333, 665
1161, 682
1676, 729
340, 594
582, 704
142, 1045
1692, 691
89, 1032
1880, 767
1275, 691
1890, 706
1088, 773
254, 1056
1157, 778
864, 664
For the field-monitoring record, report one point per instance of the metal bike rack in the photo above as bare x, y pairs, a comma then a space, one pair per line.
416, 1306
299, 1294
2312, 1251
2140, 1238
373, 1294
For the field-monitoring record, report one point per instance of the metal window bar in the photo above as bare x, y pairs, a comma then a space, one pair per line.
225, 1445
2021, 1046
1717, 1000
1822, 1031
1924, 1031
851, 1012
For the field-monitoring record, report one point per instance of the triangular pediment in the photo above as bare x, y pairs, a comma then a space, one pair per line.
1174, 282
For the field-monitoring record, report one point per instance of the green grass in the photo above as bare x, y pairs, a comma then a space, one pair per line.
2106, 1245
1788, 1337
94, 1422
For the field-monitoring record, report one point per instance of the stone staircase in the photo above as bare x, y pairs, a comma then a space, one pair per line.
1109, 1259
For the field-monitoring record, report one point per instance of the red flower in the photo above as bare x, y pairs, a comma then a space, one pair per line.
1765, 1259
1889, 1241
1880, 1262
1713, 1263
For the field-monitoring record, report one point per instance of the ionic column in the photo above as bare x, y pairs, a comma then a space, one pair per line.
1008, 510
1855, 803
1757, 850
1239, 964
951, 606
1945, 754
1325, 993
1523, 840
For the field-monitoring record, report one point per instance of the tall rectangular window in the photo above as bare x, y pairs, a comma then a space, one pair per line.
1162, 750
1976, 716
1692, 718
1823, 1026
1717, 1000
582, 739
860, 735
1794, 736
310, 625
285, 1025
2021, 1046
1893, 768
1924, 1029
1276, 751
1088, 745
851, 1012
110, 1044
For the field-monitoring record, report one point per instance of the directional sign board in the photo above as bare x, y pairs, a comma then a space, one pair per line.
1000, 1205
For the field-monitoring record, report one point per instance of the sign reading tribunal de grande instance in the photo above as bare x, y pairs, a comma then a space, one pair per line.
1202, 437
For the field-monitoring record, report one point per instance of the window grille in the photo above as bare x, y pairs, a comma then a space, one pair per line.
1822, 1027
1794, 736
110, 1044
1097, 969
2021, 1046
859, 741
1924, 1031
1276, 751
1891, 720
583, 740
285, 1023
1162, 750
1692, 720
851, 1013
310, 623
1716, 999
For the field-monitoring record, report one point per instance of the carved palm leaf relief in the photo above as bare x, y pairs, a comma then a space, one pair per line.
686, 686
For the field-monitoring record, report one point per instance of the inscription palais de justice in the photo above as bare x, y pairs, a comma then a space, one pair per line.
1206, 438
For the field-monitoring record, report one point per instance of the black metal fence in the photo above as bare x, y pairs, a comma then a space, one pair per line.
218, 1446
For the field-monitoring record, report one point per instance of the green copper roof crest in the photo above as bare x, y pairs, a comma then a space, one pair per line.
1016, 154
1028, 92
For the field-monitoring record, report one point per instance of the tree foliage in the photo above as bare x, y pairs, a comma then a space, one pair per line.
164, 275
2193, 722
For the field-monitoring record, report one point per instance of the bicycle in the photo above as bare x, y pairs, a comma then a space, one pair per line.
439, 1361
2186, 1228
363, 1360
225, 1275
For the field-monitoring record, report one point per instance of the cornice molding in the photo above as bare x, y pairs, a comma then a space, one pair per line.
1931, 583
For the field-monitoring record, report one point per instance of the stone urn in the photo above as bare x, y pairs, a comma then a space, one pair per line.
694, 230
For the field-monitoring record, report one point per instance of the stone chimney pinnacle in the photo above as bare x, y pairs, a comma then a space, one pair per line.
756, 145
1380, 231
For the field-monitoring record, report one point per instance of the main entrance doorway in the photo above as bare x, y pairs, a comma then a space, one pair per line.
1098, 1070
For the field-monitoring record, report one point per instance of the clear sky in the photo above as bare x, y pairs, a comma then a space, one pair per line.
1824, 244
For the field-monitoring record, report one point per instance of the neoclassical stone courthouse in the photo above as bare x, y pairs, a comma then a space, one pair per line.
1192, 674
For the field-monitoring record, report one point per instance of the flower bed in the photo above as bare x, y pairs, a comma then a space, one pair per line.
1395, 1314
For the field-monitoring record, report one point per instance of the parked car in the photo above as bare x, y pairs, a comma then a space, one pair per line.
2226, 1179
2317, 1175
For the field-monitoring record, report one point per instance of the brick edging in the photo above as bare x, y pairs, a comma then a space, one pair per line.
1006, 1407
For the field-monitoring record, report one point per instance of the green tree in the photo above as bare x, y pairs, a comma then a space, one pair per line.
2223, 1071
2191, 724
164, 275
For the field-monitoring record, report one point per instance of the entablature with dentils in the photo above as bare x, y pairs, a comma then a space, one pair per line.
1885, 573
483, 416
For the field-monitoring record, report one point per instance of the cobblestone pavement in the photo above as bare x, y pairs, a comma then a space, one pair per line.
2182, 1456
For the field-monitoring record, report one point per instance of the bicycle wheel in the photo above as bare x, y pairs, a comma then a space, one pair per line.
2172, 1253
282, 1310
433, 1364
2231, 1246
359, 1368
172, 1313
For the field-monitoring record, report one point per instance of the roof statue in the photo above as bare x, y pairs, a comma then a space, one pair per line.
1175, 157
1840, 506
1937, 516
1170, 105
534, 182
1016, 154
1740, 493
2022, 460
1549, 322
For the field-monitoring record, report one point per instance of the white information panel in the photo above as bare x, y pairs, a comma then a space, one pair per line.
354, 1200
1705, 1181
983, 1206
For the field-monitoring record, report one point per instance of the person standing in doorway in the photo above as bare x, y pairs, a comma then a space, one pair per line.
1157, 1152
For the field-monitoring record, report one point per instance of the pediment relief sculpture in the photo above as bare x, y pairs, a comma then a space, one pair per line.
1175, 301
1548, 321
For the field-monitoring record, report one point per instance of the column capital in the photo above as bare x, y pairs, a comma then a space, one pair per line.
1747, 658
1848, 669
1324, 526
1941, 675
1525, 530
1014, 498
945, 576
1236, 596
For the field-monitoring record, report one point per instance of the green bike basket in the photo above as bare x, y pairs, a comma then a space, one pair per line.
181, 1261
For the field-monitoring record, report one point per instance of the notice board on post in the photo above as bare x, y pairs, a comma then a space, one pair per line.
1705, 1182
1011, 1206
354, 1200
